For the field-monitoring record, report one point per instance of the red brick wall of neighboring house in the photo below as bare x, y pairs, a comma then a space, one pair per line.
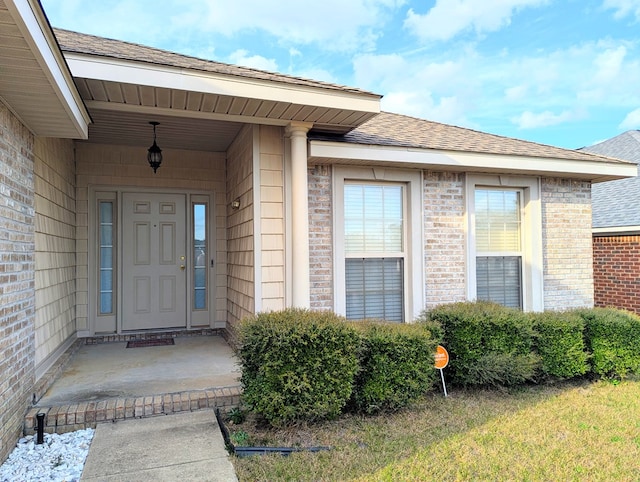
616, 271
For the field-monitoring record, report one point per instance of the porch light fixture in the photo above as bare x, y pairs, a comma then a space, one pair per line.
235, 204
155, 153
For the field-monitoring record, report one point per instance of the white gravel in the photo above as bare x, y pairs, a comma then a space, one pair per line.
60, 458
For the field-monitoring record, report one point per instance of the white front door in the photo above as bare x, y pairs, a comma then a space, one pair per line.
154, 282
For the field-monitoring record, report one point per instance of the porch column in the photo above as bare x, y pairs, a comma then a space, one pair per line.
297, 132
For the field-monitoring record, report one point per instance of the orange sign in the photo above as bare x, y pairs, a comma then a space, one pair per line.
442, 357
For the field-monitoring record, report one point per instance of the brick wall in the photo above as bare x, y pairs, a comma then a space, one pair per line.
567, 245
320, 238
444, 238
17, 277
55, 245
616, 272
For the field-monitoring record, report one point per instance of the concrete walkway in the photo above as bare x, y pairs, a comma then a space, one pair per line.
185, 446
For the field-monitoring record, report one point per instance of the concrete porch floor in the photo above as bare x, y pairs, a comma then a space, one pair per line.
107, 382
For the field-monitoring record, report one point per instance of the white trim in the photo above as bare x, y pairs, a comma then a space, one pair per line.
471, 161
532, 264
414, 253
257, 220
616, 230
169, 77
32, 23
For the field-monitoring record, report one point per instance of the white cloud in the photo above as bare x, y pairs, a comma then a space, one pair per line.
242, 57
631, 121
449, 18
448, 110
530, 120
623, 8
334, 25
516, 93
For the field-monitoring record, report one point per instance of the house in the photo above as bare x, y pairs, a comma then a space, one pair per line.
273, 191
616, 229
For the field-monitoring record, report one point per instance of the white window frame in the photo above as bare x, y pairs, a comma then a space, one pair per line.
531, 227
413, 303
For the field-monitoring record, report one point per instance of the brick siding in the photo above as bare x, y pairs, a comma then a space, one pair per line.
616, 272
444, 238
566, 237
17, 277
320, 237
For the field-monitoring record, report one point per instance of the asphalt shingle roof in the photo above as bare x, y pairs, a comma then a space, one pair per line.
387, 129
74, 42
617, 203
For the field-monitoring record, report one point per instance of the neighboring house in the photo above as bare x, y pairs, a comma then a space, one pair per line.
273, 191
616, 229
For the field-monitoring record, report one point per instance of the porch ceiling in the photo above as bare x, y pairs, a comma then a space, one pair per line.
184, 132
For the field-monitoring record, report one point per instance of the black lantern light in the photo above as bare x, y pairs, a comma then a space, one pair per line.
155, 153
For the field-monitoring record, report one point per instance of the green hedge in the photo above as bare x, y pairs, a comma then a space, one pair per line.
613, 338
560, 344
489, 345
396, 366
297, 364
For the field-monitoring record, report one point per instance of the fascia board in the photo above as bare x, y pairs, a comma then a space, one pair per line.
616, 230
35, 29
597, 170
152, 75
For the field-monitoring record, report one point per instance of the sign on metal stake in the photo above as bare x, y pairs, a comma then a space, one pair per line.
442, 360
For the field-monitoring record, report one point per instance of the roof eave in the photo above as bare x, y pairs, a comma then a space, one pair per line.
106, 69
71, 117
323, 152
616, 231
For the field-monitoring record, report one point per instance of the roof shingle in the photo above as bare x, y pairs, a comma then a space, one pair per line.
74, 42
616, 203
387, 129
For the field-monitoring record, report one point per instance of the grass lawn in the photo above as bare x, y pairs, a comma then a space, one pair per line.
571, 431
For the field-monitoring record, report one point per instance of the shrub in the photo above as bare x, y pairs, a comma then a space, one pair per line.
560, 344
488, 343
297, 364
396, 366
613, 337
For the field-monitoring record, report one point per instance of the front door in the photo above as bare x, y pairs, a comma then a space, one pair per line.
154, 282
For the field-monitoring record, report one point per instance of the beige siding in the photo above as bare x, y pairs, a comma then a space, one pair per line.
124, 166
240, 241
17, 296
55, 244
272, 221
567, 244
444, 238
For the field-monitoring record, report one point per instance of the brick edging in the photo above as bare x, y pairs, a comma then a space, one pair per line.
69, 418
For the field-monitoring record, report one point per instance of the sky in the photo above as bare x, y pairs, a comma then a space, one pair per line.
564, 73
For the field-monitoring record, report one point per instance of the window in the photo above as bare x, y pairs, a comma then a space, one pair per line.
505, 242
374, 251
199, 237
499, 246
107, 258
377, 247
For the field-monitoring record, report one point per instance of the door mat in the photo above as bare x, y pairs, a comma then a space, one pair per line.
155, 342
